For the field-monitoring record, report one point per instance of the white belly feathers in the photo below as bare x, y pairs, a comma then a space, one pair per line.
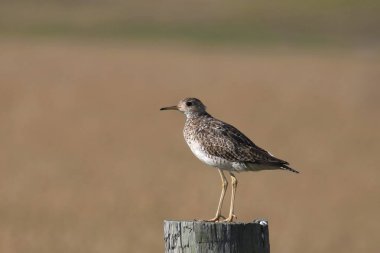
214, 161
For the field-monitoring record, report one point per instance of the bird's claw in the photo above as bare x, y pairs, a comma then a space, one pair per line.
216, 218
230, 218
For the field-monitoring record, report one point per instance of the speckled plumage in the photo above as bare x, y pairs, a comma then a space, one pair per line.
229, 148
221, 145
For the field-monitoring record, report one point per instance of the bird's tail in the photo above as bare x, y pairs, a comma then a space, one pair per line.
286, 167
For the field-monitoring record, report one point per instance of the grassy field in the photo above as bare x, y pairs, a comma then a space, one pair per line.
90, 164
316, 22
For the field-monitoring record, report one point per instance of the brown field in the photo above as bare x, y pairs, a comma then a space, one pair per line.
90, 164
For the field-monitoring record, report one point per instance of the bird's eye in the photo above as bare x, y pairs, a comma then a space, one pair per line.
189, 103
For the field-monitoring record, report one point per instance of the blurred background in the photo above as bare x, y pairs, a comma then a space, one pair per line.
88, 163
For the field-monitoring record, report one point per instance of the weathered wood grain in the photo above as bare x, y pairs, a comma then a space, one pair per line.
221, 237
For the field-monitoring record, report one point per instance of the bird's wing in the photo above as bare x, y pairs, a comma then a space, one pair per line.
224, 140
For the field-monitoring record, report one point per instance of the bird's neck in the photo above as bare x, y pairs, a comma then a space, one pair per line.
196, 115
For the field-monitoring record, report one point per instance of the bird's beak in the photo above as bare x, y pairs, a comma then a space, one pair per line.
169, 108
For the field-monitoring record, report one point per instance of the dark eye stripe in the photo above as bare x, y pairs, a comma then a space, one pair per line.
189, 103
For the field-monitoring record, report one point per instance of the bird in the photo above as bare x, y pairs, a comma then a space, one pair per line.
224, 147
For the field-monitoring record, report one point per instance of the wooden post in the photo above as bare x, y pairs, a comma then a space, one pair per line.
207, 237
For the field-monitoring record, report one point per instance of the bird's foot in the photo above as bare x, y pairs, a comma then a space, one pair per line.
230, 218
216, 218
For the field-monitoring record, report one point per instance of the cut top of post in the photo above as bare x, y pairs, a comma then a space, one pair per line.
201, 236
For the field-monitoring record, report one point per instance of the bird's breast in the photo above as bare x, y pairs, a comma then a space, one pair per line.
193, 141
199, 151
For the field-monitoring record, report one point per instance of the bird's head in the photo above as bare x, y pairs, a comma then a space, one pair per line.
189, 106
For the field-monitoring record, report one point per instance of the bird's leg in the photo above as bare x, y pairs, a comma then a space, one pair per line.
224, 188
231, 216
